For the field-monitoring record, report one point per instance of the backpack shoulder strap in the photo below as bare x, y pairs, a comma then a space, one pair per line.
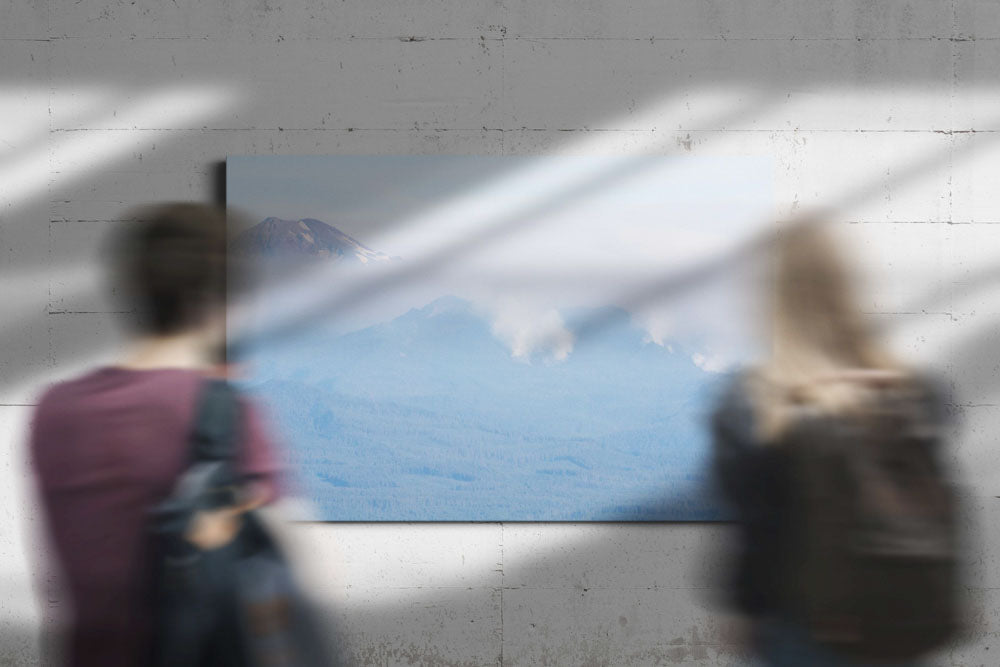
210, 477
215, 433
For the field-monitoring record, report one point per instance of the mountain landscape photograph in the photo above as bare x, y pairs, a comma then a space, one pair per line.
472, 354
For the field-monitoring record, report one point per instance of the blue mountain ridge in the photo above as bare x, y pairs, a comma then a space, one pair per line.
428, 417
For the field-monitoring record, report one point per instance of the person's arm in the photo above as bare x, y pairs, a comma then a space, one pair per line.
258, 460
749, 477
257, 463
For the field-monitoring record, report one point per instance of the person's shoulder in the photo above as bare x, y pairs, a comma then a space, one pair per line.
932, 394
733, 390
733, 411
63, 403
251, 404
930, 385
111, 383
63, 391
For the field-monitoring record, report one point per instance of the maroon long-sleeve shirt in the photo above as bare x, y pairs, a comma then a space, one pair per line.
106, 447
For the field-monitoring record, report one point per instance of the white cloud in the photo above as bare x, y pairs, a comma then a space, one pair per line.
711, 363
659, 327
527, 331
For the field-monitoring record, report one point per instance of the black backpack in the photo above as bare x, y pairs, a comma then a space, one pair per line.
237, 605
873, 569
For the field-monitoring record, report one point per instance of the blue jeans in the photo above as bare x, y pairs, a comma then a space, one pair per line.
782, 643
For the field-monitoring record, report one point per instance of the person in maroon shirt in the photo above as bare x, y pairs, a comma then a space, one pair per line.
108, 446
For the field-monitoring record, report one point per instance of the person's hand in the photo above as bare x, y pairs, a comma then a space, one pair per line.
211, 529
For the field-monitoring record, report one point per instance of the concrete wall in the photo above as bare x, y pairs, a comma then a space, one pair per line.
888, 111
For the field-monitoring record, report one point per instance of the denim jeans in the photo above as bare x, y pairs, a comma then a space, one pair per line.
782, 643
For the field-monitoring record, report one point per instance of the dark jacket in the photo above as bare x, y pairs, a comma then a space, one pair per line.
753, 481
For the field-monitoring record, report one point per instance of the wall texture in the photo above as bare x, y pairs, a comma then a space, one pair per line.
886, 111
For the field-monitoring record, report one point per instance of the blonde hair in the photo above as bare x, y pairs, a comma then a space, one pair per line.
820, 339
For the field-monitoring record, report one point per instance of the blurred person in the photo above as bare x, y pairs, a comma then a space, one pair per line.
828, 454
108, 446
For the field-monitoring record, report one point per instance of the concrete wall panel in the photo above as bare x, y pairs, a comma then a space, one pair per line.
885, 112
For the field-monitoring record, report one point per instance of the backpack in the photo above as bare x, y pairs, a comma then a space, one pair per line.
237, 605
873, 555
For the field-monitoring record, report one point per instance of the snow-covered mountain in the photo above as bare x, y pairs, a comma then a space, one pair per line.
303, 239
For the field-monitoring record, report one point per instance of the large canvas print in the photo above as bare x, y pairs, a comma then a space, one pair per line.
496, 338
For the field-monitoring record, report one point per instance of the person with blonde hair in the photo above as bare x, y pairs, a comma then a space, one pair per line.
828, 453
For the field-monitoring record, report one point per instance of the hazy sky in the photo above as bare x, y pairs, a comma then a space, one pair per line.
357, 194
523, 237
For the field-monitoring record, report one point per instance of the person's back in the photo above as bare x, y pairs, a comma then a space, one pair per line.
847, 529
828, 453
108, 446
